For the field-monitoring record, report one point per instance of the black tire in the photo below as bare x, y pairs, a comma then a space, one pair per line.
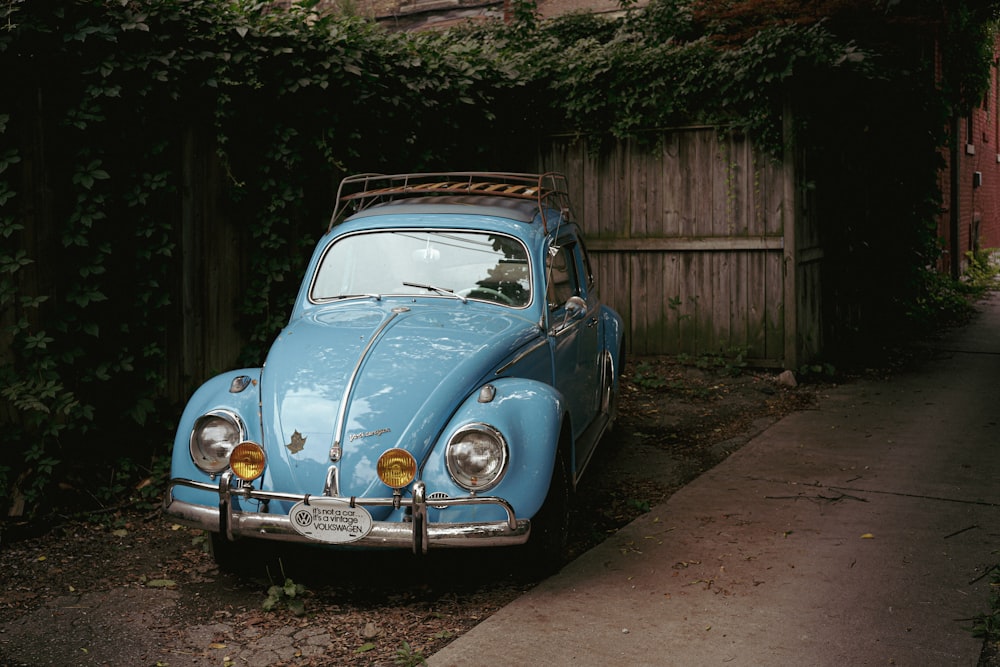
545, 552
226, 554
245, 557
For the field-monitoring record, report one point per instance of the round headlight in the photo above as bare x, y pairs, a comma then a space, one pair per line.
247, 461
396, 468
477, 457
213, 438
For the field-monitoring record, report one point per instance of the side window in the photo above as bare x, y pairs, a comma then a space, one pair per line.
563, 281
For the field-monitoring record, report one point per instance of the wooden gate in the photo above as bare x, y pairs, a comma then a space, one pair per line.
693, 243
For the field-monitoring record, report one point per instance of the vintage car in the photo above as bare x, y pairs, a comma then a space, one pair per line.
446, 373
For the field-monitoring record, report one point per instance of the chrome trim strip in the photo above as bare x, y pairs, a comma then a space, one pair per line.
542, 342
384, 534
341, 426
332, 485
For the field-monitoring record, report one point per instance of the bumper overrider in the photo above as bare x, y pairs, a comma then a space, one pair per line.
342, 521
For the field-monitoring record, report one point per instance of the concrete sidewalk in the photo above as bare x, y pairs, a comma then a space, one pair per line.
861, 532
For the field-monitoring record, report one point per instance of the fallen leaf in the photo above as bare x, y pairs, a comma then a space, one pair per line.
121, 532
216, 646
161, 583
868, 536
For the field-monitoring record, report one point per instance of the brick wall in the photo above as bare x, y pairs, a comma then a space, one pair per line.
978, 185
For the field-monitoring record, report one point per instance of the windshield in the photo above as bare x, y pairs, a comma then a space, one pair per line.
467, 265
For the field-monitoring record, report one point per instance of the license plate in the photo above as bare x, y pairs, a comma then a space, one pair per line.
330, 520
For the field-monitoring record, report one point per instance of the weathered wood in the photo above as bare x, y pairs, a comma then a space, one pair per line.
678, 244
696, 238
701, 243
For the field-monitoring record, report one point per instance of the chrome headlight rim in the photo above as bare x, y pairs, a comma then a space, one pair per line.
462, 477
203, 460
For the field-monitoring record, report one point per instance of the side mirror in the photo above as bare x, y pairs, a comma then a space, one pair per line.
576, 308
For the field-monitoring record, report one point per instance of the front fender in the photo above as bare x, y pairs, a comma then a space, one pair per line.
529, 414
214, 394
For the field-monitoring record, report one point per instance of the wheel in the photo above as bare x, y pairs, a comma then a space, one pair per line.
609, 393
545, 551
245, 557
225, 553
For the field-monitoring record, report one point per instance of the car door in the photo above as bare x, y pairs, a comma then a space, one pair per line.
574, 328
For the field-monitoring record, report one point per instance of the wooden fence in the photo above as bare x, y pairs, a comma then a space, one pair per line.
700, 242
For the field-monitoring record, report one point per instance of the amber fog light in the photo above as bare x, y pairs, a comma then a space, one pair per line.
397, 468
247, 461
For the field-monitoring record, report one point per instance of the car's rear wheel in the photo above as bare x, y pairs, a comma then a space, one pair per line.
609, 390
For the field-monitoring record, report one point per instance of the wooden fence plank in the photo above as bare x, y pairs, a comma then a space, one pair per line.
694, 227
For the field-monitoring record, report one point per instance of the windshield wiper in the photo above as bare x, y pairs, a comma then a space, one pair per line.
439, 290
377, 297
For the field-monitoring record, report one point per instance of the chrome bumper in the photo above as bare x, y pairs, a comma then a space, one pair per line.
417, 534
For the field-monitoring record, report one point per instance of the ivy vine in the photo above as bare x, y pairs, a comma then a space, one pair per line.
102, 99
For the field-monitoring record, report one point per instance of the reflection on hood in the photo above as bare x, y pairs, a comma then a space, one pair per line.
424, 362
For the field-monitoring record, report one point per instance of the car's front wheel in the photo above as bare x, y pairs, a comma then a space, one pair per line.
242, 557
546, 548
227, 555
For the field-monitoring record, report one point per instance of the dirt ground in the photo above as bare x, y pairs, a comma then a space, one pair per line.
139, 590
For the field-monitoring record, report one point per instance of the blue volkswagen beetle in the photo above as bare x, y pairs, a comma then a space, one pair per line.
446, 374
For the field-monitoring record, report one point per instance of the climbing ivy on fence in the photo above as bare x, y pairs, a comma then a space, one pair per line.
101, 96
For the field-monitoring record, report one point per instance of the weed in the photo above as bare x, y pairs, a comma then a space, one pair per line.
408, 657
645, 376
817, 371
987, 625
944, 301
982, 270
640, 505
730, 362
288, 594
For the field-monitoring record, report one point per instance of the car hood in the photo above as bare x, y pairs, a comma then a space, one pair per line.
411, 367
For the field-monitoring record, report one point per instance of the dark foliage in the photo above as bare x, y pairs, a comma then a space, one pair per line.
106, 100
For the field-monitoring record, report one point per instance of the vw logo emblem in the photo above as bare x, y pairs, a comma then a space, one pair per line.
303, 517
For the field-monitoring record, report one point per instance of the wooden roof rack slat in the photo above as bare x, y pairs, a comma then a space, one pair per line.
361, 191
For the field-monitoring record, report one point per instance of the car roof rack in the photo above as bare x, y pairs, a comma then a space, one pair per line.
359, 192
